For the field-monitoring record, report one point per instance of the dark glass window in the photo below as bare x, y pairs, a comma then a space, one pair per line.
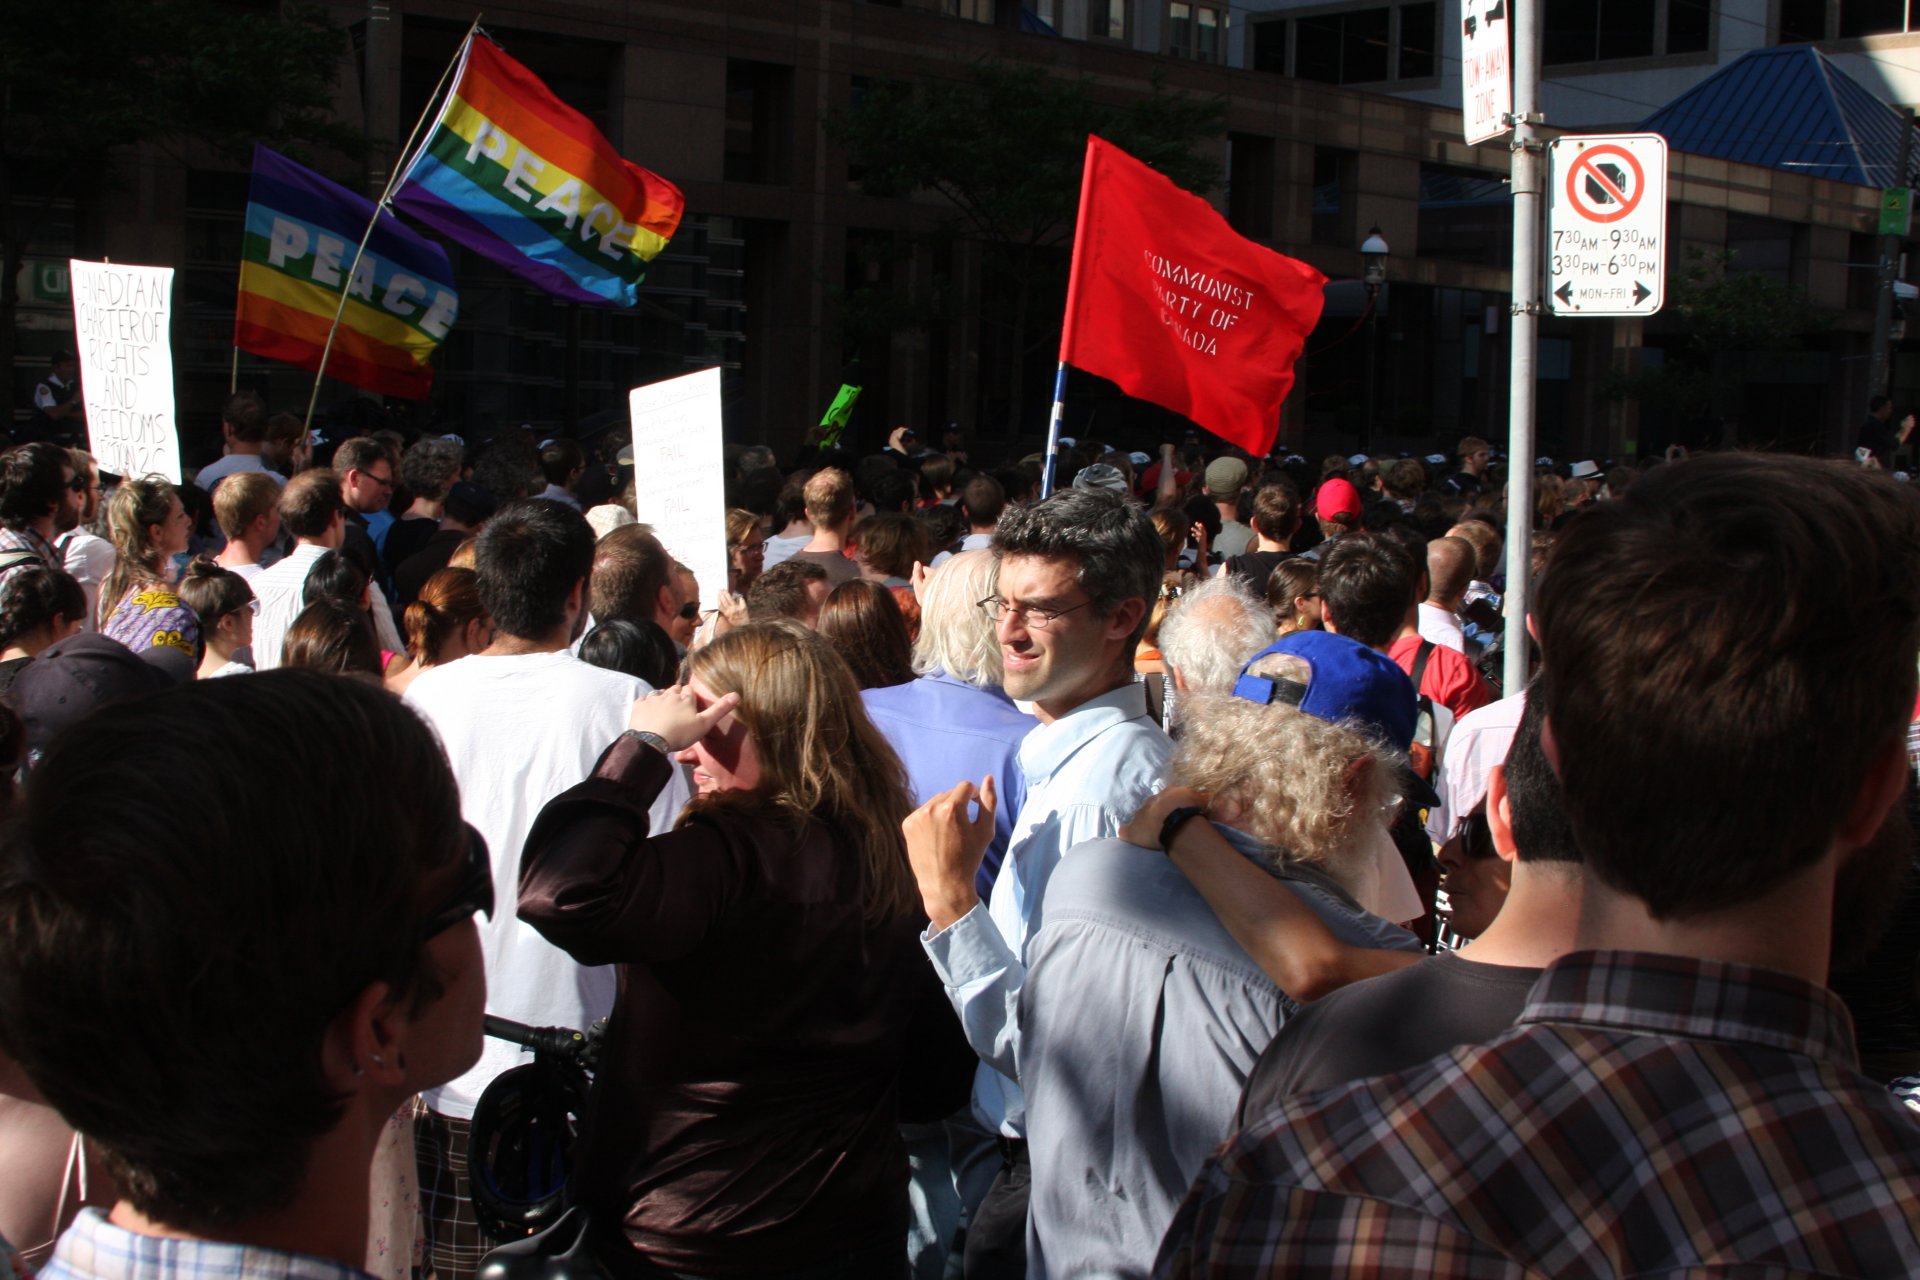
1270, 47
1689, 25
1802, 20
1419, 40
1343, 48
1872, 17
1590, 30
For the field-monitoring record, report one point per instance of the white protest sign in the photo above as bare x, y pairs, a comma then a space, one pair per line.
679, 476
1486, 71
122, 316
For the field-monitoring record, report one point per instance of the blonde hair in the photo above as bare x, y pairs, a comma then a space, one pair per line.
1300, 792
134, 507
956, 635
821, 759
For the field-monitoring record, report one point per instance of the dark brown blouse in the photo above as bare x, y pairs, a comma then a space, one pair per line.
745, 1117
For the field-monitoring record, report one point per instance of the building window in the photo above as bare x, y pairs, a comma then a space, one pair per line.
1577, 31
971, 10
1595, 30
1250, 175
1333, 178
1107, 20
1419, 41
1196, 31
1874, 18
1351, 46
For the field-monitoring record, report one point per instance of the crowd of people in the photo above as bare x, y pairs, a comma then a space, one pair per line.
1150, 878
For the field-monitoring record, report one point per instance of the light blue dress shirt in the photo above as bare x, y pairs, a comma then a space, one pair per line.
1087, 773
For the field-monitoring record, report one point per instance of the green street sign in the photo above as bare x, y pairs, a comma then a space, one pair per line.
1896, 211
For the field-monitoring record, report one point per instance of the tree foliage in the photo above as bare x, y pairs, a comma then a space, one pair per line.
1723, 312
1003, 147
81, 81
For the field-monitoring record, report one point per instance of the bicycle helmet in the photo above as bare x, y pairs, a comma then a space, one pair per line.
519, 1153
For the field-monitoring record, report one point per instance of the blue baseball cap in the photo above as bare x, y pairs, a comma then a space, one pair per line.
1349, 682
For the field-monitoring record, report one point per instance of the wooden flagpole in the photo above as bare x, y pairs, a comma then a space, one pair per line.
380, 206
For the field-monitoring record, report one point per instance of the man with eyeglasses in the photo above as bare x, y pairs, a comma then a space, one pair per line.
40, 499
262, 1017
364, 467
1076, 573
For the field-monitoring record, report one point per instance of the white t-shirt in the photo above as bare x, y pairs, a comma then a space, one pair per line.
227, 464
89, 558
1441, 627
519, 730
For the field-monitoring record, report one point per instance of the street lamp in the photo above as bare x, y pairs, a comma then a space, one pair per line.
1373, 273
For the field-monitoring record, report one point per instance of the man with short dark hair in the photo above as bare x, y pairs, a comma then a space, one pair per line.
465, 509
1369, 587
40, 499
1076, 573
796, 589
522, 721
1476, 458
633, 580
364, 467
1680, 1093
562, 463
1275, 519
983, 500
243, 425
263, 1016
310, 510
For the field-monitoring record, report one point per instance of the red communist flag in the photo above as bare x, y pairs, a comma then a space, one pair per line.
1176, 307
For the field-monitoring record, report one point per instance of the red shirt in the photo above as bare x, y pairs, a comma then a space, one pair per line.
1449, 679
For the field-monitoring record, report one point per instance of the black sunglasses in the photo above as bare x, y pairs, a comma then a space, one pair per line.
474, 894
690, 610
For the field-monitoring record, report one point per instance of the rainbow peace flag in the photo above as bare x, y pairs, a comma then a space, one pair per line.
301, 233
517, 175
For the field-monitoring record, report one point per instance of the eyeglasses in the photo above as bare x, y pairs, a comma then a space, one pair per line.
78, 484
690, 610
1037, 619
385, 482
474, 894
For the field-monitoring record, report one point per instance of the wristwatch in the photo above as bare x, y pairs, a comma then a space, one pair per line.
653, 740
1175, 820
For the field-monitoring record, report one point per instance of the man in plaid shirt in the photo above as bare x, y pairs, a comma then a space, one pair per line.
1729, 672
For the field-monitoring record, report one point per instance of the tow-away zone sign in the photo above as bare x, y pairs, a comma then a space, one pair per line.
1607, 224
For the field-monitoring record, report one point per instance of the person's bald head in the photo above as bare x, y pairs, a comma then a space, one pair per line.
1450, 565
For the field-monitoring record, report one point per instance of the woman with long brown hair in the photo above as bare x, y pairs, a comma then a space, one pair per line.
773, 987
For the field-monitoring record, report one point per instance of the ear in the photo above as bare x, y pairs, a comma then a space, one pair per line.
1883, 784
361, 1046
1500, 814
1326, 617
577, 596
1550, 747
1125, 617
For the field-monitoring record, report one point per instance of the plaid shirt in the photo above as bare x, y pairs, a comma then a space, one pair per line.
1647, 1115
94, 1249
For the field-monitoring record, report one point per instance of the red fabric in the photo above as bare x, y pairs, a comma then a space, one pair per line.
1173, 305
1449, 679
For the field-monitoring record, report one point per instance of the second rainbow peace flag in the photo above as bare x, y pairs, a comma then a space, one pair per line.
517, 175
301, 233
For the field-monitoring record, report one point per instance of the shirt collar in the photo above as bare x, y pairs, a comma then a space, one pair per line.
1686, 998
95, 1249
1050, 746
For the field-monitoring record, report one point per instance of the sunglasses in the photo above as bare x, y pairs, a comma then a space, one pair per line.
474, 894
690, 610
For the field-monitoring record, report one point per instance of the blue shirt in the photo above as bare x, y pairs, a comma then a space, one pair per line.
946, 732
94, 1249
1087, 772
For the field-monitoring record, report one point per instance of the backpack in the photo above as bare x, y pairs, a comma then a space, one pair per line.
1424, 752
